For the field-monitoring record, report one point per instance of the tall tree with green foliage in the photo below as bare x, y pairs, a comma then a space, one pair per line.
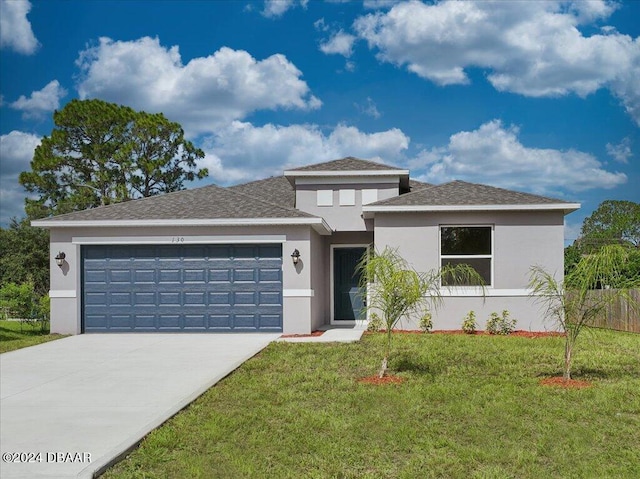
613, 222
24, 255
573, 303
396, 290
101, 153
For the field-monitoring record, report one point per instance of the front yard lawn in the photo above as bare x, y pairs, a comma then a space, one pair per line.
14, 336
469, 407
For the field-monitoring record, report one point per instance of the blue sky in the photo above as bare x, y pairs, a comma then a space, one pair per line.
534, 96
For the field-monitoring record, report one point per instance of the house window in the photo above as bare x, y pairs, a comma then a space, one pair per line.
471, 245
325, 198
347, 197
369, 196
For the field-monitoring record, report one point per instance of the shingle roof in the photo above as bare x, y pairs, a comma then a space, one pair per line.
208, 202
415, 185
346, 164
462, 193
276, 189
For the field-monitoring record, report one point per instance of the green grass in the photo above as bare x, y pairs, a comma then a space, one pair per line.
470, 407
14, 336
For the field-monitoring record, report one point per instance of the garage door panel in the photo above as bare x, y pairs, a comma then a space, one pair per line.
271, 321
182, 288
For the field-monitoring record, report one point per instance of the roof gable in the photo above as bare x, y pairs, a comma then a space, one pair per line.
349, 163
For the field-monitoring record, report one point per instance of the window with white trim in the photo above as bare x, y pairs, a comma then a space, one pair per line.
471, 245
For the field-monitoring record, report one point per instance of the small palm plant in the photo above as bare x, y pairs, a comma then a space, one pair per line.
396, 290
571, 303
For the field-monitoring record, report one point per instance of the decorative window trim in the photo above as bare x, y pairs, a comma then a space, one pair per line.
348, 197
324, 197
369, 196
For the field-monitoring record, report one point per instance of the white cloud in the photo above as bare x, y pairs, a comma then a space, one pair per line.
15, 29
16, 151
277, 8
340, 43
494, 155
204, 93
243, 152
379, 4
369, 108
530, 48
41, 101
620, 152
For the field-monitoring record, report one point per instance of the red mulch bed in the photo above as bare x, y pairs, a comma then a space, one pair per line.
313, 334
521, 334
565, 383
383, 380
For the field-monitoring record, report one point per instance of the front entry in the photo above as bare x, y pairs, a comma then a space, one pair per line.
348, 299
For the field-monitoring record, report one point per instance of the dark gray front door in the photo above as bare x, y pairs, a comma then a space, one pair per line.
348, 299
189, 288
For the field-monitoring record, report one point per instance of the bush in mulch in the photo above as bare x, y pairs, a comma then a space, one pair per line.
521, 334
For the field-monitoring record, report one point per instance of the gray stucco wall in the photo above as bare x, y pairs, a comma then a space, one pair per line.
66, 282
520, 241
341, 218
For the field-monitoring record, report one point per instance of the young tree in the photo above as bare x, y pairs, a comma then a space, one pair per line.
571, 304
396, 290
101, 153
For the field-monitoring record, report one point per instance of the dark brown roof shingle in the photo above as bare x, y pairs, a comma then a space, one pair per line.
208, 202
346, 164
276, 189
465, 194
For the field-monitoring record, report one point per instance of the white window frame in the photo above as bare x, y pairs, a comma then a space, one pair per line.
324, 198
348, 197
490, 257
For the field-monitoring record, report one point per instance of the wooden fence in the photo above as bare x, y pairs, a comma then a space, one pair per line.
619, 315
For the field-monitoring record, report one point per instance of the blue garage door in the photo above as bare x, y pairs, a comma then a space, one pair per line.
182, 288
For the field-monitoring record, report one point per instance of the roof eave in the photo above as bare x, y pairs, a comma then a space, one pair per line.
318, 224
369, 211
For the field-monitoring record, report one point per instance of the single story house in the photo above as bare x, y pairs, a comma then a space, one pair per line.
279, 254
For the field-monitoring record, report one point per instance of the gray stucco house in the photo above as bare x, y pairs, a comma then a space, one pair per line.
279, 254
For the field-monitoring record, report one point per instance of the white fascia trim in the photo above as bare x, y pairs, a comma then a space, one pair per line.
180, 239
389, 180
347, 173
566, 207
488, 292
319, 224
298, 293
63, 293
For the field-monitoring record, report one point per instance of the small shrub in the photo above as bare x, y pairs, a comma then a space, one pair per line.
469, 324
426, 323
18, 299
375, 323
501, 324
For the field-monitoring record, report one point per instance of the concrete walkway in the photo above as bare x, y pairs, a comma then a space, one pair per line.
332, 334
72, 406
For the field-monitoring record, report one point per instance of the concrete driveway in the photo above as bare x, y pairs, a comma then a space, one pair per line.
69, 407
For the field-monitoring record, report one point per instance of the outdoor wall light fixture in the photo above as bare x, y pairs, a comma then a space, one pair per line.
60, 258
295, 256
